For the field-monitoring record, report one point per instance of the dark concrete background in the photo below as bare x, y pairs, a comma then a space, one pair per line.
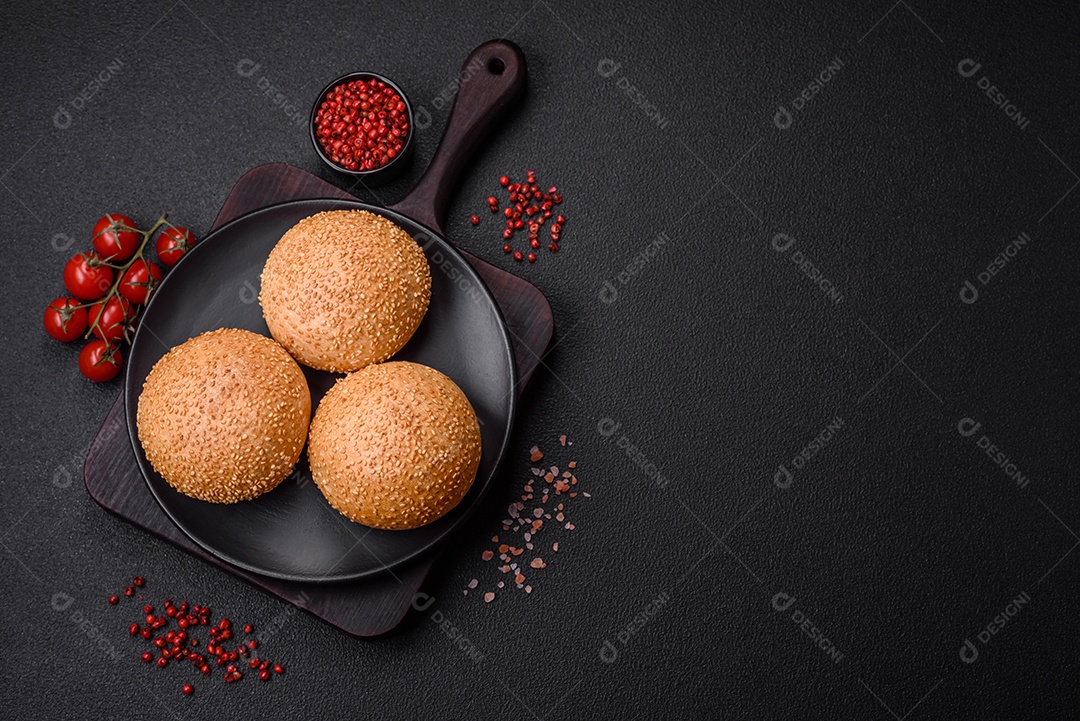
899, 180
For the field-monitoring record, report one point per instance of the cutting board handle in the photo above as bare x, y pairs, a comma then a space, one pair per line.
492, 76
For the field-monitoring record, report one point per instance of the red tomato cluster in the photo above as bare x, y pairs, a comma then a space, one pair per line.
109, 285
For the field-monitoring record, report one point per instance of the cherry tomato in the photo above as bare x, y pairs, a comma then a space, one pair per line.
64, 320
116, 238
100, 361
113, 320
86, 278
139, 281
172, 243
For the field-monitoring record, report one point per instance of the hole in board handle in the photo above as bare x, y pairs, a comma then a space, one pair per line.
496, 66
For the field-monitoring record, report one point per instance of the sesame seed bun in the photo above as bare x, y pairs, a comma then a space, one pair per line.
394, 446
344, 288
223, 416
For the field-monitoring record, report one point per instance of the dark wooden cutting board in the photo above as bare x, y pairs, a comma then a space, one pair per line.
362, 608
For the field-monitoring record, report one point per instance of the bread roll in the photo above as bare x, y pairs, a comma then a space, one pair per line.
223, 416
344, 288
394, 446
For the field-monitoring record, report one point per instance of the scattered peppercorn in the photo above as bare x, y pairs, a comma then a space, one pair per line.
176, 645
528, 207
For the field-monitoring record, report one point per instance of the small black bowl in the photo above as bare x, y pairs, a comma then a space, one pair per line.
375, 176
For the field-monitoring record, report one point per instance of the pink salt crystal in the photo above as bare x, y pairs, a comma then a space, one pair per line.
489, 597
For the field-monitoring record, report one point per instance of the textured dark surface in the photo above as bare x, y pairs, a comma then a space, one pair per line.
720, 359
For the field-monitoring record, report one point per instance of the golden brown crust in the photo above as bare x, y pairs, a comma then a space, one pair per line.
344, 288
223, 417
394, 445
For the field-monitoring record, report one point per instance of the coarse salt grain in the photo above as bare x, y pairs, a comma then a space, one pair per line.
529, 528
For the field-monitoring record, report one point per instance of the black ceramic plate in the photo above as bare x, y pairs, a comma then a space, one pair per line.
292, 532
